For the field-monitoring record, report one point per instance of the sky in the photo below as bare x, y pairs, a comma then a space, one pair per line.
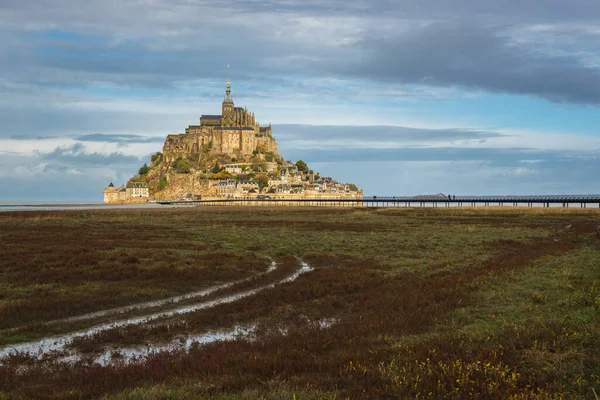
400, 97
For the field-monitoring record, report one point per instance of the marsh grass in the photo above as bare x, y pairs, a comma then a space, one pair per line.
440, 303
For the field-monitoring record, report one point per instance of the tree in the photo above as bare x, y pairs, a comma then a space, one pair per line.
162, 184
181, 166
156, 156
302, 166
262, 180
216, 169
143, 170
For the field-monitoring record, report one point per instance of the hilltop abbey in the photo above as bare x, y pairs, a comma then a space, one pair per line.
234, 133
229, 155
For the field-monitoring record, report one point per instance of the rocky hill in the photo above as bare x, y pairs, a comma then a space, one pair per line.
226, 155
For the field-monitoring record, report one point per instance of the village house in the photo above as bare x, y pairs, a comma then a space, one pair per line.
276, 182
138, 189
134, 191
233, 169
226, 187
245, 186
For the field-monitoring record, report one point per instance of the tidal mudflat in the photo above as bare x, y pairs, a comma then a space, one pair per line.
310, 302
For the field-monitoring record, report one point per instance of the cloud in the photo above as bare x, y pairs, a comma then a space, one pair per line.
100, 137
400, 134
76, 155
474, 56
68, 173
499, 156
543, 49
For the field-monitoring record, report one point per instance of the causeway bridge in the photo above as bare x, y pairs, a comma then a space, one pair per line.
581, 201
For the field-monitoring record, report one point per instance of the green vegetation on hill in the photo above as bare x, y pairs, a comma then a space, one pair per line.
162, 184
181, 166
302, 166
156, 157
143, 170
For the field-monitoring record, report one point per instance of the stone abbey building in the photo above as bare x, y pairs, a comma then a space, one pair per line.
235, 132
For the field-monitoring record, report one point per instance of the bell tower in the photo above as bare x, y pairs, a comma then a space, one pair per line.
227, 107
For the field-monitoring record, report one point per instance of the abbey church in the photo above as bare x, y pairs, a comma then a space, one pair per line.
235, 133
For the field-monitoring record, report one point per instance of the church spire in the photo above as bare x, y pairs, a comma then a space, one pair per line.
228, 98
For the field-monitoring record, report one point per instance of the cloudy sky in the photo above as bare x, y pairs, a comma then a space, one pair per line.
400, 97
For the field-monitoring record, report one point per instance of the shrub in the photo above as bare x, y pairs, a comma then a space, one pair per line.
162, 184
262, 180
181, 166
220, 175
143, 170
156, 156
302, 166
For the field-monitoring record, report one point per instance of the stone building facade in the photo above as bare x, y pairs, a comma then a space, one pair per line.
235, 132
133, 192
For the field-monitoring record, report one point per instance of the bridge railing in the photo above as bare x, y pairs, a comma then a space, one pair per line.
406, 201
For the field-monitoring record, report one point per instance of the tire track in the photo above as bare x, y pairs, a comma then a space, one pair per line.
58, 346
149, 304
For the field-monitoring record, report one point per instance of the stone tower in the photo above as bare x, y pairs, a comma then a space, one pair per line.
228, 106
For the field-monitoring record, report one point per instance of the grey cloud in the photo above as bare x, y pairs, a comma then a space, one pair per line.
495, 156
75, 155
378, 133
123, 139
55, 177
462, 43
467, 54
102, 14
60, 169
31, 137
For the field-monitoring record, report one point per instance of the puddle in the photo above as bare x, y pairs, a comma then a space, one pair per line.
131, 355
140, 353
59, 344
154, 303
170, 300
